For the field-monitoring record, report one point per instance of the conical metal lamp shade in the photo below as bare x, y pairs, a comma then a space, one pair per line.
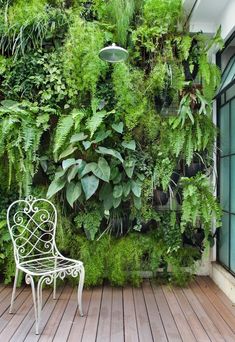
113, 54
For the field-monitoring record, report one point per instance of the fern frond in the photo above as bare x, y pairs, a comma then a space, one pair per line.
95, 121
63, 129
189, 147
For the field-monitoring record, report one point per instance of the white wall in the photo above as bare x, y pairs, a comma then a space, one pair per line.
208, 15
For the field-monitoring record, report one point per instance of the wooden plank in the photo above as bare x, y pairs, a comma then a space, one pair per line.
117, 326
166, 316
46, 313
91, 325
16, 320
67, 319
20, 299
193, 321
5, 292
6, 299
155, 321
104, 325
218, 304
28, 322
2, 286
220, 294
78, 324
55, 318
205, 320
214, 315
130, 325
143, 325
180, 320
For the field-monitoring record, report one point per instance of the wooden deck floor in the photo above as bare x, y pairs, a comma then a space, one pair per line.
200, 312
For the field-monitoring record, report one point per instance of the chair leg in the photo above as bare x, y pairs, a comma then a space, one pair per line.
36, 302
14, 290
54, 287
54, 282
80, 288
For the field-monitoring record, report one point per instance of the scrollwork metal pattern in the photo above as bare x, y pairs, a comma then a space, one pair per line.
32, 225
32, 228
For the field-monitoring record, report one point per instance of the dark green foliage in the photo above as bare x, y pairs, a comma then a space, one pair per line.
199, 203
21, 127
121, 261
28, 25
82, 65
102, 138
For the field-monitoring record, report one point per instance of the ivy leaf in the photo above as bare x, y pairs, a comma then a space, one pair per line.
89, 185
59, 173
114, 172
73, 192
111, 152
118, 127
87, 144
78, 137
126, 188
136, 188
90, 167
68, 162
131, 145
129, 167
55, 186
137, 202
103, 170
74, 170
101, 136
117, 191
106, 196
116, 202
67, 152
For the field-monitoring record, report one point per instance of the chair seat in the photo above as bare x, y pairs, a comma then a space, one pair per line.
42, 266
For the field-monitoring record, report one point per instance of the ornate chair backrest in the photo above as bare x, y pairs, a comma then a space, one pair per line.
32, 225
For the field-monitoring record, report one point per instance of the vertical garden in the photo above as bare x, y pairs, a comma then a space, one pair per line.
124, 150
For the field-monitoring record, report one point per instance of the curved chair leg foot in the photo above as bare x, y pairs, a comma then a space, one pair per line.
80, 288
14, 291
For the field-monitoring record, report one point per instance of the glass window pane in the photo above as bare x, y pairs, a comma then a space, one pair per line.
222, 99
232, 147
224, 240
224, 130
232, 190
230, 92
232, 244
224, 183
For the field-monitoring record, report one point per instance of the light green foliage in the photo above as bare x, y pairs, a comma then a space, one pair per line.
82, 65
162, 13
36, 76
172, 233
121, 12
90, 221
101, 137
21, 127
199, 203
187, 104
163, 170
28, 24
193, 137
120, 261
110, 175
130, 100
159, 17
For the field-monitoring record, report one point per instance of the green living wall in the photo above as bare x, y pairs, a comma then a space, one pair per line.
124, 150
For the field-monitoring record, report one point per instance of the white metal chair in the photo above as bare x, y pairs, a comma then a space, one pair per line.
32, 225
